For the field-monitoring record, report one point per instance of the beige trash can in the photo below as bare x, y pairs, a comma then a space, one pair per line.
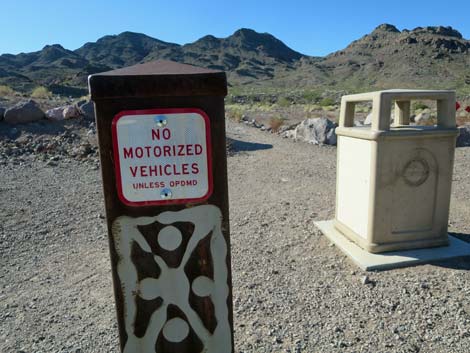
394, 182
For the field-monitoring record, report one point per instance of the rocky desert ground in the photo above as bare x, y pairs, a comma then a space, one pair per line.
293, 291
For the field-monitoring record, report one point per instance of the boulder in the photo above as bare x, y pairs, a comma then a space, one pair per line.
319, 131
463, 139
285, 128
23, 112
368, 120
288, 134
55, 114
71, 112
87, 110
358, 123
423, 117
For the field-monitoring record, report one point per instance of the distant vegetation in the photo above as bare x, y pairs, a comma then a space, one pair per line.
311, 96
419, 106
284, 102
6, 91
41, 92
325, 102
235, 114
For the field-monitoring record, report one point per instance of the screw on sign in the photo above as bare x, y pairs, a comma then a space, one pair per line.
162, 148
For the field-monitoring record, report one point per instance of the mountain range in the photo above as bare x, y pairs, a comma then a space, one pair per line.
425, 57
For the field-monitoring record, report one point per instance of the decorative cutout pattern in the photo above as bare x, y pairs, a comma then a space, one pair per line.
173, 285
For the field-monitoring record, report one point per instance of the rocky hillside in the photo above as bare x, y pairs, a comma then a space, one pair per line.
429, 57
245, 55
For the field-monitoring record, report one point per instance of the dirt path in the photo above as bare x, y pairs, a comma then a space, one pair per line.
293, 292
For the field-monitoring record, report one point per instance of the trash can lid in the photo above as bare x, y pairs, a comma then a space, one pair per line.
157, 78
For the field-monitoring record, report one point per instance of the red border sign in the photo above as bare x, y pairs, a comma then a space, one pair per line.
117, 166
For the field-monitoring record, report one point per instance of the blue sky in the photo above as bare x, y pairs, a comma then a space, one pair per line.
310, 27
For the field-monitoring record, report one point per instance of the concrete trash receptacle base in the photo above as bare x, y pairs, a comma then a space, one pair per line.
393, 181
394, 259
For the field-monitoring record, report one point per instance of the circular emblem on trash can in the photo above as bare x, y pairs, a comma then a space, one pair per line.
416, 171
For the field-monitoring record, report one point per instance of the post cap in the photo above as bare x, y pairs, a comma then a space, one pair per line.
157, 78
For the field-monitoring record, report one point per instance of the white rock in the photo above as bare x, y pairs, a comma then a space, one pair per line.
70, 112
319, 131
288, 134
55, 114
368, 120
422, 117
358, 123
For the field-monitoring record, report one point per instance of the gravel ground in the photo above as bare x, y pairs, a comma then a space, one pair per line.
293, 291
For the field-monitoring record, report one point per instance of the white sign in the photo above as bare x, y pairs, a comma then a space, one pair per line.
162, 156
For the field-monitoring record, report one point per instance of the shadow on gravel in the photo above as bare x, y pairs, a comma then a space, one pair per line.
462, 263
461, 236
41, 127
234, 146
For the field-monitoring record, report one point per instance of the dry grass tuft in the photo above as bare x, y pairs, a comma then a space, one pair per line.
235, 115
276, 123
41, 92
462, 120
6, 91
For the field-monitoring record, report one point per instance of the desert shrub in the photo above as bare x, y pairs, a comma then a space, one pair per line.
362, 109
419, 106
311, 107
84, 98
462, 120
275, 123
431, 122
328, 108
311, 96
235, 115
327, 102
6, 91
40, 92
264, 107
462, 117
283, 102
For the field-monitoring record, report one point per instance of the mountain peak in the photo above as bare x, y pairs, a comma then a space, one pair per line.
127, 35
253, 36
264, 43
53, 46
124, 49
245, 32
131, 35
386, 27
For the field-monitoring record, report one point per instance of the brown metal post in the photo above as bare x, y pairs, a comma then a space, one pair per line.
162, 145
